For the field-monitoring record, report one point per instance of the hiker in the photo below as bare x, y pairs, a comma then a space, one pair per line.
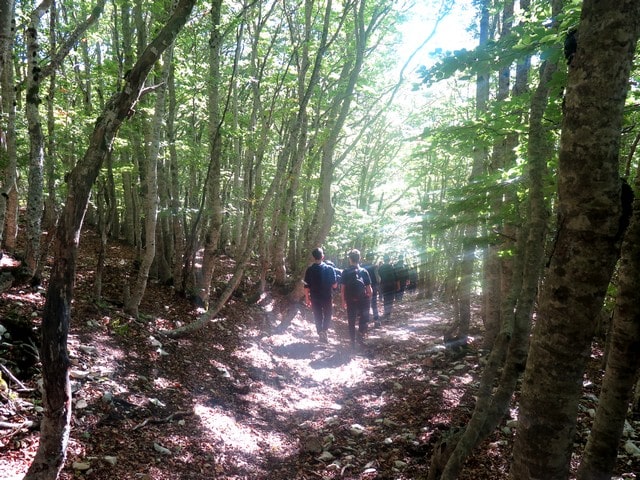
356, 292
338, 273
402, 275
372, 269
319, 282
388, 286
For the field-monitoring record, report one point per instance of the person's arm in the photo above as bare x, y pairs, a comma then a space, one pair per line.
368, 289
307, 296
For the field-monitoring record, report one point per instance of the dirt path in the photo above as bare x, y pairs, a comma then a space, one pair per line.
241, 400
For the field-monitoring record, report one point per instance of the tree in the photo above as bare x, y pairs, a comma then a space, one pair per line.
7, 122
54, 355
588, 239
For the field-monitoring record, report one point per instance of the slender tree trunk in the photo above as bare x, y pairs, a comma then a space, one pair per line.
7, 129
176, 219
35, 198
468, 253
130, 208
588, 240
213, 191
55, 425
151, 197
501, 156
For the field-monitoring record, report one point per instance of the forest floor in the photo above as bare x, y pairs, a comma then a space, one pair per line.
247, 397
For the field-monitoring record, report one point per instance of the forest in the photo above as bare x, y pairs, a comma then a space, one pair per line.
168, 167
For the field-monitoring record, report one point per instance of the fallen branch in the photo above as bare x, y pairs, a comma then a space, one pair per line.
10, 375
162, 420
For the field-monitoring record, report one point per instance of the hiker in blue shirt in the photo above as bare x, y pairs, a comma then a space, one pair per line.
356, 292
319, 282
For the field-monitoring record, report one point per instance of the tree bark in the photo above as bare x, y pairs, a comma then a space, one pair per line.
588, 241
620, 375
151, 191
35, 198
469, 243
54, 355
7, 129
212, 192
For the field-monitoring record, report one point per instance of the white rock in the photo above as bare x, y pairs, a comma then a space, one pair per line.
156, 402
628, 430
82, 466
325, 457
81, 403
357, 429
631, 448
110, 460
160, 449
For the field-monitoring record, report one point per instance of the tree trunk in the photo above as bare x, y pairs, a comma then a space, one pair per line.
51, 453
8, 128
35, 198
588, 240
213, 190
501, 158
622, 365
151, 190
468, 253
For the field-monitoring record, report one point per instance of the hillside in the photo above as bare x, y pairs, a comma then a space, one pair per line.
246, 398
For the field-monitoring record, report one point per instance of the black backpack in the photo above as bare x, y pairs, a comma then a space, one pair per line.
354, 288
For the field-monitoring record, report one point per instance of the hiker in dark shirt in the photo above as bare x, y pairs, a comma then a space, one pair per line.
372, 269
402, 275
388, 286
319, 282
356, 292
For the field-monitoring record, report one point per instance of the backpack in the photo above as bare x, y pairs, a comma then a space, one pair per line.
354, 288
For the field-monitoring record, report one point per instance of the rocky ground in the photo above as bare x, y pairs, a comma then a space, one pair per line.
246, 397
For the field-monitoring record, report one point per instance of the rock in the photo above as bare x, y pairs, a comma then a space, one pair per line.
311, 444
357, 430
81, 466
81, 403
631, 448
325, 457
110, 460
628, 430
160, 449
79, 373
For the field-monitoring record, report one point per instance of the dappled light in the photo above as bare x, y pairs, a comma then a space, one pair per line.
285, 240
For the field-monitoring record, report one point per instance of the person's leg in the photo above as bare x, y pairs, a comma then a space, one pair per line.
316, 306
374, 304
327, 314
374, 307
363, 313
351, 320
388, 303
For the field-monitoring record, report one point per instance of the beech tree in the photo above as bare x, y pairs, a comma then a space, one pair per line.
586, 249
